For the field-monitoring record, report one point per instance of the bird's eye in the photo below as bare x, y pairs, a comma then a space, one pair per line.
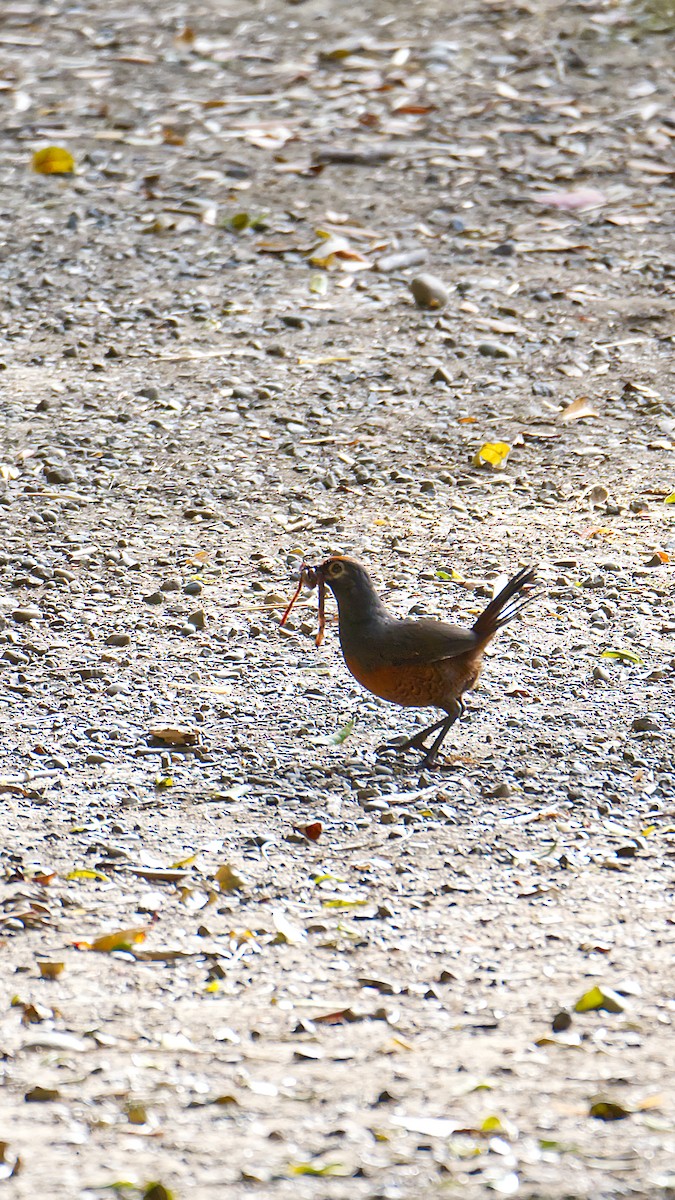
335, 569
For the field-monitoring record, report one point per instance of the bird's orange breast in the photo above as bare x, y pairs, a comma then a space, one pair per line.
419, 685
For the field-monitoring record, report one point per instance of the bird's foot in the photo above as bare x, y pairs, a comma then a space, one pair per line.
398, 744
429, 759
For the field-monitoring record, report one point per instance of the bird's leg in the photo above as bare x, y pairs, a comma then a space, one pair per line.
445, 727
418, 740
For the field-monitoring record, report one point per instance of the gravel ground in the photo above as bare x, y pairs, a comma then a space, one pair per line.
210, 371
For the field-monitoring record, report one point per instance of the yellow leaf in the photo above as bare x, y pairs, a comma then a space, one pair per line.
121, 939
227, 879
239, 221
53, 160
608, 1110
491, 1125
184, 862
492, 454
324, 360
84, 873
163, 781
599, 998
623, 656
319, 1172
394, 1044
670, 499
451, 575
50, 970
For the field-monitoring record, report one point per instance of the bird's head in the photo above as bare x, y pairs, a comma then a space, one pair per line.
349, 582
345, 576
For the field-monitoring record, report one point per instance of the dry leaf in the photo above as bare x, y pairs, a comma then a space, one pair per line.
312, 831
53, 160
335, 250
492, 454
121, 939
658, 559
578, 410
50, 970
228, 880
175, 736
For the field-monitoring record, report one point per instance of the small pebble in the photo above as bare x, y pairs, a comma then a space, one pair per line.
16, 658
29, 613
496, 350
387, 817
198, 619
441, 375
154, 598
118, 639
170, 585
429, 292
602, 675
399, 260
59, 475
502, 790
646, 724
193, 588
597, 495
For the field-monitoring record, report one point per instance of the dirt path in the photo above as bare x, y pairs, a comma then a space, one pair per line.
209, 373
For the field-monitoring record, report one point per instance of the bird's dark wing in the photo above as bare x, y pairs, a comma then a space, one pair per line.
426, 641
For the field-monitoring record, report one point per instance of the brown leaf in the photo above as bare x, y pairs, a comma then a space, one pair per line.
312, 831
579, 410
175, 736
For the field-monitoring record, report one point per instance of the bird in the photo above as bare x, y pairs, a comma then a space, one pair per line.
416, 663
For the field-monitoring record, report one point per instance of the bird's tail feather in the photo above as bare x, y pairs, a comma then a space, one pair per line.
514, 596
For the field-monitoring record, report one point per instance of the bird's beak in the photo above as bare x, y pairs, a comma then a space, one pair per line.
310, 577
